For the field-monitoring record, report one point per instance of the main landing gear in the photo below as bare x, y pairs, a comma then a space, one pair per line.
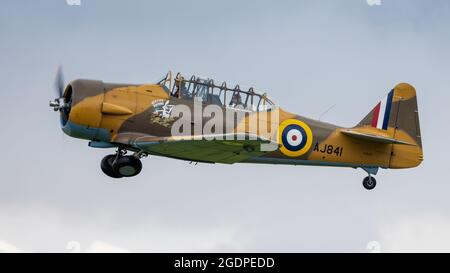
121, 165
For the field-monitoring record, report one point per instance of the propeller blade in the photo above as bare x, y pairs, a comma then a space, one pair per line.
59, 82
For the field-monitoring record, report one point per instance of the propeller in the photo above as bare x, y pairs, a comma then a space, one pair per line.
58, 104
61, 104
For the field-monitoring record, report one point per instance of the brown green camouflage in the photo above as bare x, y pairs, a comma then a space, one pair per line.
129, 116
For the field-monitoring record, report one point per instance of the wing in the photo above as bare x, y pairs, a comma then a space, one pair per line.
224, 148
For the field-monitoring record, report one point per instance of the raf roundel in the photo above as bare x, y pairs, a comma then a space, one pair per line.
295, 138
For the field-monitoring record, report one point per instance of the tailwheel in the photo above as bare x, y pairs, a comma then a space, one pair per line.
369, 183
127, 166
107, 166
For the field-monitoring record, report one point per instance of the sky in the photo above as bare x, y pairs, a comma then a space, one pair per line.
307, 55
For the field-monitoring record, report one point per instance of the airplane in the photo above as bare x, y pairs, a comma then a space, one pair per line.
139, 120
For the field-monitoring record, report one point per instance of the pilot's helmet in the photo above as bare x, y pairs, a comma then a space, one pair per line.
179, 81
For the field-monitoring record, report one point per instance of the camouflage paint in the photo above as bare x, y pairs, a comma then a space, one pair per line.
123, 115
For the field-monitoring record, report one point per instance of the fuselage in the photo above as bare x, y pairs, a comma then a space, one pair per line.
141, 118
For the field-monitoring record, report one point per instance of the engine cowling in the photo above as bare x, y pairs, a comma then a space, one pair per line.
82, 115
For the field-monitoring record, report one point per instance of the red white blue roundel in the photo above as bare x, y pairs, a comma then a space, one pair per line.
295, 137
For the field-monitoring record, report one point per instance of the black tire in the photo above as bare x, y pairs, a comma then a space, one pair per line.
127, 166
107, 166
369, 183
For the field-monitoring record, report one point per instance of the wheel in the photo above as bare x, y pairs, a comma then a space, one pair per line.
107, 166
127, 166
369, 183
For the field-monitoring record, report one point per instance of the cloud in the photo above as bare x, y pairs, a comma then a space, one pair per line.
72, 246
96, 246
99, 246
425, 233
50, 230
8, 248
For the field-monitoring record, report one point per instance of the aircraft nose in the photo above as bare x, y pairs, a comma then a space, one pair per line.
82, 115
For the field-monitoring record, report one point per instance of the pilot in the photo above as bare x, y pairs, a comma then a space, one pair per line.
236, 100
180, 88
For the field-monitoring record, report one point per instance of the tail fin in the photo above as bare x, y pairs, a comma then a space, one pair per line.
397, 116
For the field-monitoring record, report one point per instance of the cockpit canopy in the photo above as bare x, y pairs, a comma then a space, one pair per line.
204, 90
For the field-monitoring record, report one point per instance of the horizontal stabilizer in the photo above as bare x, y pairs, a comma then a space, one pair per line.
373, 137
